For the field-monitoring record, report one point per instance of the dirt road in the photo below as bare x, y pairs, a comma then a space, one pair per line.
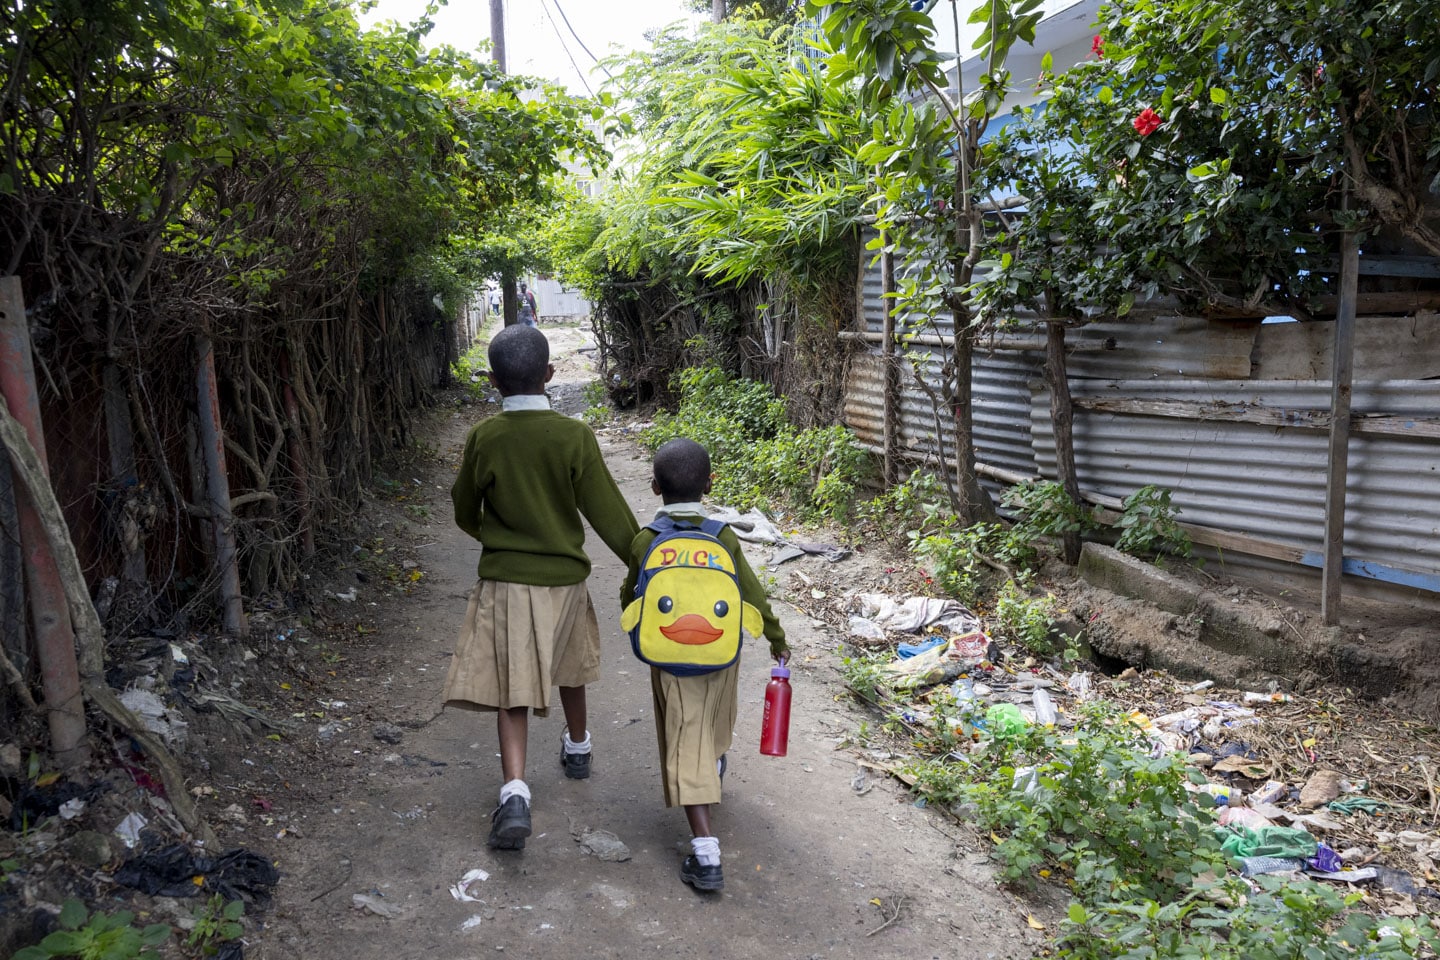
805, 853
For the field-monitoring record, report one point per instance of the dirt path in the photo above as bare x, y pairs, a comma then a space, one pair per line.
805, 854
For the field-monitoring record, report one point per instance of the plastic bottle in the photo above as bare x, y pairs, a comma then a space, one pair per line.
1045, 713
775, 728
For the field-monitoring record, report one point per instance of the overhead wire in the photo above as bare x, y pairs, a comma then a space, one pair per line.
578, 40
556, 27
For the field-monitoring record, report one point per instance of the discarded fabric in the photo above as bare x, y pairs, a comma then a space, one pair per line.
915, 613
172, 871
1285, 842
907, 650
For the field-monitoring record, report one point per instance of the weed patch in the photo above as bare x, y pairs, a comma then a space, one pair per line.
760, 460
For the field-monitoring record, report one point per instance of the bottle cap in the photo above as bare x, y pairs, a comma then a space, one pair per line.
780, 672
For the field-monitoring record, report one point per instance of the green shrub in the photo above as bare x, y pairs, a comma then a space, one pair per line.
1090, 801
99, 937
759, 459
915, 507
1044, 509
1023, 618
1279, 921
1147, 524
471, 368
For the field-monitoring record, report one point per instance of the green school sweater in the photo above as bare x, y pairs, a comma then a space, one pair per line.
750, 589
526, 478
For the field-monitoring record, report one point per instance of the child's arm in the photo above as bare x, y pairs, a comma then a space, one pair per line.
754, 594
602, 503
465, 493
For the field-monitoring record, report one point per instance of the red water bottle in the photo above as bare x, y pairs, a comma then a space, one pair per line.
775, 728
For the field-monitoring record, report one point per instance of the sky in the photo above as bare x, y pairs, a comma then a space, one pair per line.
534, 30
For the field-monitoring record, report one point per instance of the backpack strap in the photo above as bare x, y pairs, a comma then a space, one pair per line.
712, 526
662, 524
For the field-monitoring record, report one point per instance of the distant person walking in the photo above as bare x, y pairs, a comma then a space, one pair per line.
528, 314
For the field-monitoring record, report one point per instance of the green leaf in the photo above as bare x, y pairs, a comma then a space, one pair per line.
1047, 63
1077, 913
1105, 95
73, 915
1217, 95
234, 910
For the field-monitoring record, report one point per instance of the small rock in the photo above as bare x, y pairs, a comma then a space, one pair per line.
1323, 787
90, 848
9, 759
373, 904
601, 844
388, 733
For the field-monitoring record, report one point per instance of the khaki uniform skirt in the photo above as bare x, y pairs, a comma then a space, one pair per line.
518, 642
694, 723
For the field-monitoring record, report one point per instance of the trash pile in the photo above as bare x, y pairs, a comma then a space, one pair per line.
1327, 787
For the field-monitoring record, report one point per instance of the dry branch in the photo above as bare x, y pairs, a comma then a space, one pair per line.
89, 635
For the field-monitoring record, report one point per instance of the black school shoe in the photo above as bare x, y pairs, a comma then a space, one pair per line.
510, 825
702, 876
577, 765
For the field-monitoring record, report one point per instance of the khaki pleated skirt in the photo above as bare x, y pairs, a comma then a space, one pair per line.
518, 642
694, 724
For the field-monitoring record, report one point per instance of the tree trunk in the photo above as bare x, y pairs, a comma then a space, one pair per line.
717, 11
50, 620
509, 298
89, 637
975, 505
217, 487
1062, 416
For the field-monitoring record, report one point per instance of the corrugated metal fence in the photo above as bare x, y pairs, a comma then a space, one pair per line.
1178, 402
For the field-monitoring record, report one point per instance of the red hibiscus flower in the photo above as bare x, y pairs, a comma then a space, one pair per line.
1097, 46
1148, 122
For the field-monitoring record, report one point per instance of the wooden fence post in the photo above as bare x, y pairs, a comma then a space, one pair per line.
49, 616
1336, 475
217, 485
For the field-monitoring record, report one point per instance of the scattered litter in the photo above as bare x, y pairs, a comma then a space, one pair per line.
1285, 842
1325, 860
1348, 876
128, 830
174, 871
1353, 805
915, 613
860, 783
154, 715
473, 922
1251, 697
370, 903
1255, 866
460, 890
348, 596
1045, 714
1269, 792
907, 650
1079, 683
71, 809
1320, 789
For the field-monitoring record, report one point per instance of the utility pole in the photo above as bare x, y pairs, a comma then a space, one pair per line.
717, 11
509, 298
497, 33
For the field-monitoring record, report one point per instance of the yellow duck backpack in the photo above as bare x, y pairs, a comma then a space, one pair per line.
687, 614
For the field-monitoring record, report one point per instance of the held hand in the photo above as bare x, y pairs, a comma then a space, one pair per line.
782, 657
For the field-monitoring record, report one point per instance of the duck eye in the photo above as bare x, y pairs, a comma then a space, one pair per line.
721, 608
666, 604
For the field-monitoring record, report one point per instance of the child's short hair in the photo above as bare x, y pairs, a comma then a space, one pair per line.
682, 469
518, 358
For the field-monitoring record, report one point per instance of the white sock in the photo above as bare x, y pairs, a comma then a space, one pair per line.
573, 748
706, 850
515, 788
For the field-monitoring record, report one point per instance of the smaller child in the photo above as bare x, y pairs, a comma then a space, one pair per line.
695, 715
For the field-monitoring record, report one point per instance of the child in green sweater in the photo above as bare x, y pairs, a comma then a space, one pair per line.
526, 478
695, 715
